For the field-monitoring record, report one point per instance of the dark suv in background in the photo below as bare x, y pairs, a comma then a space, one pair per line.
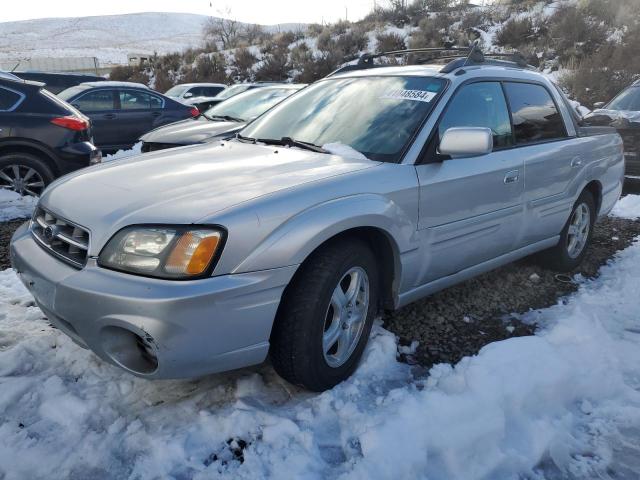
121, 112
57, 82
623, 113
41, 136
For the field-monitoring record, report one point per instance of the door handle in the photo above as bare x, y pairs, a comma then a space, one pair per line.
109, 116
576, 162
512, 176
156, 114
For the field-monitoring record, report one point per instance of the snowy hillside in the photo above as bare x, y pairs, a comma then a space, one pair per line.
108, 37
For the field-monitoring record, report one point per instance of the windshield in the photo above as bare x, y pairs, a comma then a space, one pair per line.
176, 91
249, 105
71, 92
377, 116
231, 91
627, 100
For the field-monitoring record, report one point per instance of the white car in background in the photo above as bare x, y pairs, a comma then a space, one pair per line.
186, 91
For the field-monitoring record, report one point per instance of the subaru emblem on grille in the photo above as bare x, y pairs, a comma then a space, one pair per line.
49, 233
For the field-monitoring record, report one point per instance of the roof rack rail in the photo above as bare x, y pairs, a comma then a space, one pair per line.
459, 56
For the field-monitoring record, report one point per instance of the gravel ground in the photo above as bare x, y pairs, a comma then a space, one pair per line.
6, 230
460, 320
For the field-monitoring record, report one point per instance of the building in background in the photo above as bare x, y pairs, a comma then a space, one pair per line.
52, 64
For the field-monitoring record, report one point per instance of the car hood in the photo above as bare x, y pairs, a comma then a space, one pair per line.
190, 131
619, 118
184, 185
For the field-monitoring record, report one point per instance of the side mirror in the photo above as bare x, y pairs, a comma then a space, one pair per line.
598, 105
188, 95
466, 141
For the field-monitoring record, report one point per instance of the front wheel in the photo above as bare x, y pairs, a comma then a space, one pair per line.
24, 173
575, 237
325, 316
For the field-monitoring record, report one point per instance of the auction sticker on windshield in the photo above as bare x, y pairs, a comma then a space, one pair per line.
415, 95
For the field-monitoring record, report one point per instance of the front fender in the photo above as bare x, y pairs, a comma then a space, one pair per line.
293, 241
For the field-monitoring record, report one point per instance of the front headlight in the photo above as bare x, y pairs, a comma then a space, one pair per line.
163, 252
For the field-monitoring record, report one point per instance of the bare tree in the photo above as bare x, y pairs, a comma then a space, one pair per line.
223, 30
252, 33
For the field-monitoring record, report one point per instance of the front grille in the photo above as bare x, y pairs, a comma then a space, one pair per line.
65, 240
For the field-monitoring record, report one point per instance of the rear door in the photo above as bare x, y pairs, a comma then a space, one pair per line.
552, 158
139, 112
471, 208
100, 106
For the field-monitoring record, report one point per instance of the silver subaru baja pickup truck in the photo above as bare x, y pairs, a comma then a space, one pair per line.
365, 191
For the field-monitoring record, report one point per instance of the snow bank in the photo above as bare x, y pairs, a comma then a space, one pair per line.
12, 205
559, 401
627, 207
135, 150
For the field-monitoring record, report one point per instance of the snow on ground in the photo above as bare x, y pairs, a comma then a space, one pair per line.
628, 207
135, 150
564, 403
12, 205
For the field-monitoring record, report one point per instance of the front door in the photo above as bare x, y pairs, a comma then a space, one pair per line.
471, 209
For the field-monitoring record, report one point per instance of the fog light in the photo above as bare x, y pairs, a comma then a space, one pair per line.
130, 350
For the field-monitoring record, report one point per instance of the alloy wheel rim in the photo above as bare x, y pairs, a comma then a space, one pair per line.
578, 232
346, 317
21, 179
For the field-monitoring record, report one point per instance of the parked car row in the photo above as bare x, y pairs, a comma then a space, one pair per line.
364, 191
223, 119
43, 136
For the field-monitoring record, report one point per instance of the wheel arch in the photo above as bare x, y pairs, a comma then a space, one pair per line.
32, 148
375, 219
595, 188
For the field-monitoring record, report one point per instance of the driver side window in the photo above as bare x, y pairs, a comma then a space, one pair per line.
480, 104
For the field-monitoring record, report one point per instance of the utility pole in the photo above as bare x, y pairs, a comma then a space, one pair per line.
346, 13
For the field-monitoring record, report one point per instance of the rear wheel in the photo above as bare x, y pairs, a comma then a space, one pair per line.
575, 237
24, 173
325, 316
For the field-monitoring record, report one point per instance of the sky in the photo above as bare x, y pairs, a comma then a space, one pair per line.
252, 11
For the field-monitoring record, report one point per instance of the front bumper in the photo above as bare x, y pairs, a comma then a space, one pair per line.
154, 328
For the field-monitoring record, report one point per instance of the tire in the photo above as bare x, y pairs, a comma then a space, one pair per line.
309, 318
24, 173
563, 257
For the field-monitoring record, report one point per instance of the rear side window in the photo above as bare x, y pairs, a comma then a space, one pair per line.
9, 99
134, 100
535, 115
480, 105
99, 100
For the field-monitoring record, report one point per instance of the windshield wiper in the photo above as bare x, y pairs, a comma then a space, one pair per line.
224, 118
284, 142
